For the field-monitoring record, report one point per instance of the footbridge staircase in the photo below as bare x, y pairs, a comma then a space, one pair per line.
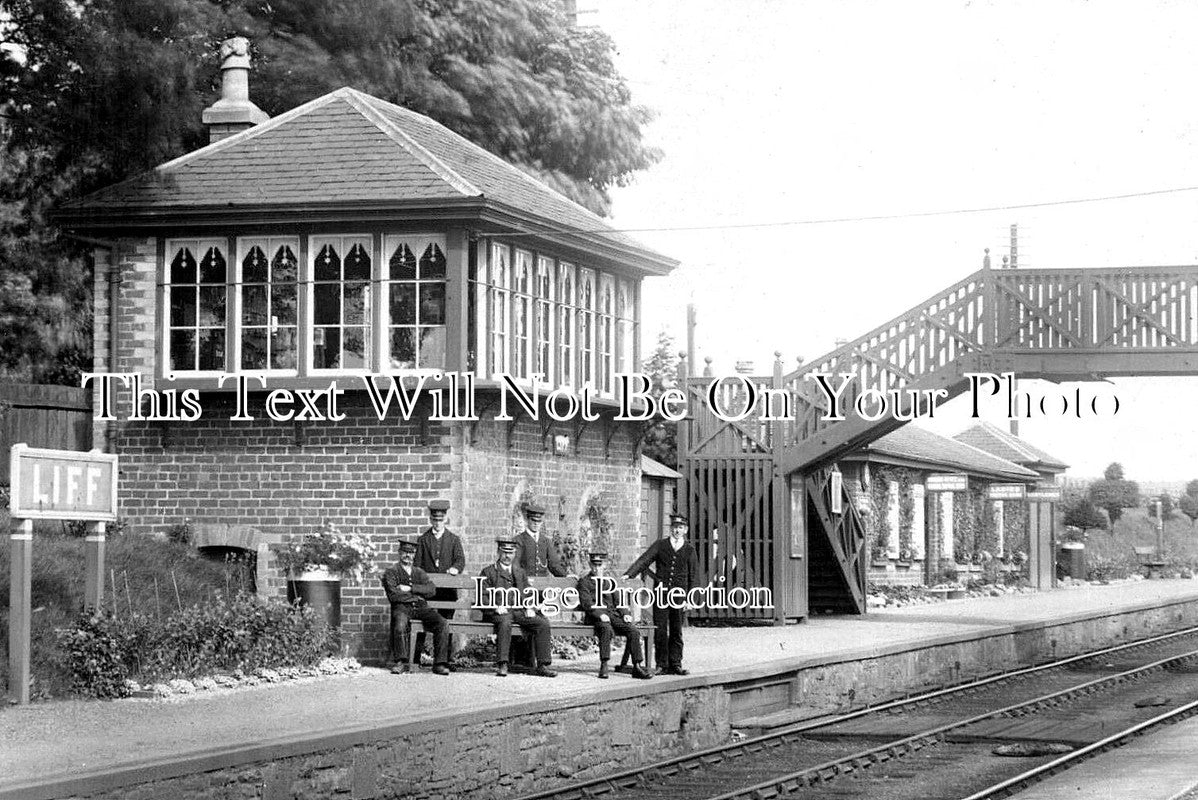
765, 505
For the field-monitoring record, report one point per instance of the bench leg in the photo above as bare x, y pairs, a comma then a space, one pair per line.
648, 645
414, 664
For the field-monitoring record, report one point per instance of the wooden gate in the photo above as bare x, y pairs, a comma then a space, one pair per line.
55, 417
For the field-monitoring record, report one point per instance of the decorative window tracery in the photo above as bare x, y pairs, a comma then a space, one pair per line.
416, 287
522, 323
586, 327
498, 356
197, 299
567, 304
341, 304
607, 334
544, 320
268, 287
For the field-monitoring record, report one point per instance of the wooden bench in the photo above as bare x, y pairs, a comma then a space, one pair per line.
468, 620
1150, 560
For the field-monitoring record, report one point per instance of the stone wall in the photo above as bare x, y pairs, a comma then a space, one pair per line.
471, 760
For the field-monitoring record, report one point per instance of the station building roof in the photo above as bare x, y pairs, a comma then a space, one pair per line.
651, 468
917, 448
348, 153
997, 442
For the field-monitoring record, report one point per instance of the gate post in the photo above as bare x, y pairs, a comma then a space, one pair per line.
783, 579
93, 566
19, 608
682, 441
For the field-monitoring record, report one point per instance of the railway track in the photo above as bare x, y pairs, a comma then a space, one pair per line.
941, 743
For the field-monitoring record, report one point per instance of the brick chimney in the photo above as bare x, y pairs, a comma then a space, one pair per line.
233, 112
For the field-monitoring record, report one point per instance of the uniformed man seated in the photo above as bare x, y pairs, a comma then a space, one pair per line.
408, 589
504, 574
596, 599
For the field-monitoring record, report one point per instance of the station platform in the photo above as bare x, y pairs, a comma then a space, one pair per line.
1162, 765
472, 734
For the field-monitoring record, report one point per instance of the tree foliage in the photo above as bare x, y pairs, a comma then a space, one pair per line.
1114, 493
661, 439
1080, 513
1188, 502
94, 91
1167, 505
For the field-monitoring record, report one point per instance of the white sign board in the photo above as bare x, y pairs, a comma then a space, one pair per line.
62, 484
1006, 491
947, 482
837, 493
1045, 494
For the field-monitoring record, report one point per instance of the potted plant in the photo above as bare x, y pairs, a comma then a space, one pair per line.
316, 563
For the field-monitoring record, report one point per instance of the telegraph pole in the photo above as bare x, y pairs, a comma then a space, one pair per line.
1013, 263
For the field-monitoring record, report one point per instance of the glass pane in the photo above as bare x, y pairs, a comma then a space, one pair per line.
432, 263
357, 264
432, 304
327, 306
183, 306
282, 348
183, 350
282, 304
328, 264
357, 301
253, 305
253, 348
432, 347
403, 348
403, 304
183, 267
354, 346
253, 266
212, 305
326, 347
284, 266
212, 349
403, 264
212, 266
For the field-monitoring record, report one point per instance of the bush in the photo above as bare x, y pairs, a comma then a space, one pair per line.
242, 634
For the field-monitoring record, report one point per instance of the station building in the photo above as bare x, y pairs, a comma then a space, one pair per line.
345, 238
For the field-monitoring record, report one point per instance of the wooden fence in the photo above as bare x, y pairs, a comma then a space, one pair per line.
58, 417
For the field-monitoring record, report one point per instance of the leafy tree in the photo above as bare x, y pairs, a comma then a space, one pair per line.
93, 91
1188, 502
1080, 513
661, 439
1114, 493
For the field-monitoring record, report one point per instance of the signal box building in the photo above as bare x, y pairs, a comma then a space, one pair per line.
349, 237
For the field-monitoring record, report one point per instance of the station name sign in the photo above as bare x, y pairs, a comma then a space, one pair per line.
1045, 494
62, 484
1006, 491
947, 482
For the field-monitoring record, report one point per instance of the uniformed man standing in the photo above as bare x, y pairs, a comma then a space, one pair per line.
608, 618
537, 555
505, 574
408, 589
675, 565
439, 550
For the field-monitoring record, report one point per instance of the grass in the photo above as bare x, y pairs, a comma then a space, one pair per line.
142, 574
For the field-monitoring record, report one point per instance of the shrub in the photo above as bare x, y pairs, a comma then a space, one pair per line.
219, 636
348, 555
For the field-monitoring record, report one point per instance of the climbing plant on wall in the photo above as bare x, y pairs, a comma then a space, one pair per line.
906, 514
879, 506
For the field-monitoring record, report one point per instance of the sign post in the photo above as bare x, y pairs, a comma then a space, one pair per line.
62, 485
933, 550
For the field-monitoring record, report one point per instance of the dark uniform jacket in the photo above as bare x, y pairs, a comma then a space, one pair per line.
422, 587
588, 597
672, 568
434, 556
539, 557
496, 578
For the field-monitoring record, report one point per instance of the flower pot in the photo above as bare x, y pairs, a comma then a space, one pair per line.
319, 591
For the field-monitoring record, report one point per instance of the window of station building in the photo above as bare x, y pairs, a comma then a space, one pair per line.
416, 292
544, 320
586, 327
567, 304
607, 334
522, 322
268, 288
498, 355
626, 330
341, 302
196, 296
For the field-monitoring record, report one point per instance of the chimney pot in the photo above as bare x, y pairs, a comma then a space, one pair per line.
233, 112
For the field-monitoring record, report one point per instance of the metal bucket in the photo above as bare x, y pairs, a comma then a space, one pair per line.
320, 593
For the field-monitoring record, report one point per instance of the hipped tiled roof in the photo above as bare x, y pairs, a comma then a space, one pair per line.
349, 147
913, 444
998, 442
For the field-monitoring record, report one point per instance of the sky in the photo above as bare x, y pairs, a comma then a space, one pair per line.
772, 112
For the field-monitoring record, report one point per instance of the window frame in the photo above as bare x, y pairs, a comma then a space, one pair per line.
244, 243
370, 341
386, 282
168, 288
